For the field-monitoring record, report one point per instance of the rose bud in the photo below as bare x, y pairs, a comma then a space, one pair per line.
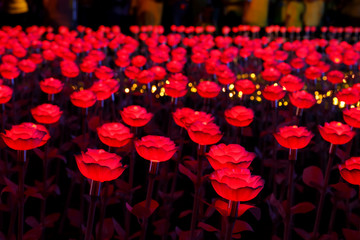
271, 74
83, 98
208, 89
204, 133
27, 66
69, 69
5, 94
236, 184
135, 116
104, 72
293, 137
291, 83
155, 148
184, 117
114, 134
273, 92
138, 61
348, 95
352, 117
51, 85
336, 133
245, 86
46, 113
229, 156
25, 136
99, 165
239, 116
132, 72
350, 171
302, 99
176, 89
9, 71
335, 76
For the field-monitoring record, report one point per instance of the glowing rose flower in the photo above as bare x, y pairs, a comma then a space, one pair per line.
135, 116
25, 136
204, 133
226, 77
104, 72
88, 66
27, 66
208, 89
99, 165
122, 60
350, 171
335, 76
49, 55
138, 61
271, 74
132, 72
176, 89
83, 98
302, 99
9, 71
69, 69
229, 156
273, 92
312, 73
114, 134
155, 148
10, 59
245, 86
293, 137
159, 72
297, 63
51, 85
348, 95
185, 117
236, 184
101, 90
5, 94
174, 66
145, 77
352, 117
336, 133
36, 58
291, 83
46, 113
313, 58
284, 68
239, 116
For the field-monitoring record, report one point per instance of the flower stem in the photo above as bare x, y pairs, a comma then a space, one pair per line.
195, 211
288, 218
323, 191
21, 161
94, 195
232, 208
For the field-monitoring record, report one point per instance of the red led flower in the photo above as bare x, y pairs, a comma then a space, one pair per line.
114, 134
9, 71
159, 72
145, 77
208, 89
350, 171
135, 116
69, 69
27, 66
348, 95
174, 66
271, 74
291, 83
229, 156
99, 165
302, 99
155, 148
236, 184
104, 72
245, 86
293, 137
239, 116
352, 117
312, 73
184, 117
138, 61
132, 72
273, 92
102, 90
176, 89
83, 99
25, 136
335, 76
204, 133
336, 133
51, 85
5, 94
46, 113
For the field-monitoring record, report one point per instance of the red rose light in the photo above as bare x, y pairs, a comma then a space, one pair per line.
335, 76
132, 72
204, 133
88, 66
135, 116
271, 74
174, 66
336, 133
104, 72
27, 66
159, 72
145, 77
229, 156
312, 73
302, 99
236, 184
245, 86
69, 69
239, 116
46, 113
5, 94
83, 98
291, 83
51, 85
102, 90
226, 77
138, 61
9, 71
297, 63
155, 148
114, 134
176, 89
185, 117
293, 137
284, 68
23, 137
350, 171
273, 92
208, 89
99, 165
352, 117
348, 95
